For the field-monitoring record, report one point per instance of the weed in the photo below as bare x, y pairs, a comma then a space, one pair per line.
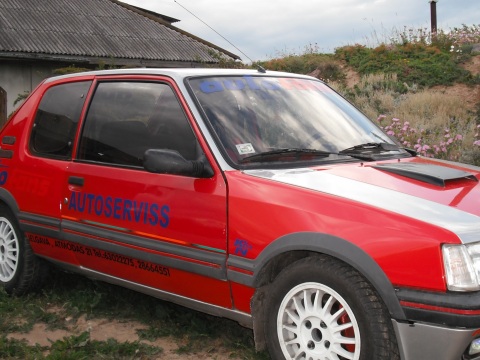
18, 314
69, 70
15, 349
81, 347
413, 63
324, 65
76, 347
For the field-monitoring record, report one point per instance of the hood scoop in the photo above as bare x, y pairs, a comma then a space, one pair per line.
428, 173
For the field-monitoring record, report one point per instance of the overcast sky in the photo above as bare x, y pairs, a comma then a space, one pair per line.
264, 29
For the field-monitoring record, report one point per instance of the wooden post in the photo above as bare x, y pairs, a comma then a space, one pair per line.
433, 16
3, 107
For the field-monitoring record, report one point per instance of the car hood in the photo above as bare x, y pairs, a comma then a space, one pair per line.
441, 193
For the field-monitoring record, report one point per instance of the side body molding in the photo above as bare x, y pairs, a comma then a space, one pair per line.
320, 243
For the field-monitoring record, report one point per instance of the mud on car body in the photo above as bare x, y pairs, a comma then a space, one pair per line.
262, 197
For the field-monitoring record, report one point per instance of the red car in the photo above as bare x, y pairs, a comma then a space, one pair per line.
259, 196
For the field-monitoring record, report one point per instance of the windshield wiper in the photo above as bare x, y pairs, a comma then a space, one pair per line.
277, 153
369, 151
371, 146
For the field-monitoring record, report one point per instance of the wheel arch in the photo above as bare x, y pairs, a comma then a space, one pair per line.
292, 247
7, 198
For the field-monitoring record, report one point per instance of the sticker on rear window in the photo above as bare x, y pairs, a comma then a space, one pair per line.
245, 149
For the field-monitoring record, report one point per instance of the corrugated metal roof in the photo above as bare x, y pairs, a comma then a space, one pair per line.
96, 28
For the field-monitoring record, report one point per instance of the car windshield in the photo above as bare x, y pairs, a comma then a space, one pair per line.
260, 119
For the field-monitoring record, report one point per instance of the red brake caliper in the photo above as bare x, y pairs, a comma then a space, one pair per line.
344, 319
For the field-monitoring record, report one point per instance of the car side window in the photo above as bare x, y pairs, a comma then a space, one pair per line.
127, 118
56, 120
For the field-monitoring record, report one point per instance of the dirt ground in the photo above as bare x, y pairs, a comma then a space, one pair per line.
473, 65
103, 329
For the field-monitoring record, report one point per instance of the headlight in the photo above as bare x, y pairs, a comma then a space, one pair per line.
462, 266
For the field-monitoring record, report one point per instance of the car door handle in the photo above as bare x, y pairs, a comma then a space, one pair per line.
75, 180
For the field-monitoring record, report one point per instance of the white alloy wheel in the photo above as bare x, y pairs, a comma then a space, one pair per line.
9, 251
315, 323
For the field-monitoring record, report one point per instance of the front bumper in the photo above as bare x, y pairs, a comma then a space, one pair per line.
433, 342
437, 325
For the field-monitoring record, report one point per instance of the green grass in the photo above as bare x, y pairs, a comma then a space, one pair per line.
413, 63
77, 347
70, 296
414, 56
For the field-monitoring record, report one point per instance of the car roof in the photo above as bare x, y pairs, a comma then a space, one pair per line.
179, 73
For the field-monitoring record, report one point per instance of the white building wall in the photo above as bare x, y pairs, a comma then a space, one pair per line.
16, 78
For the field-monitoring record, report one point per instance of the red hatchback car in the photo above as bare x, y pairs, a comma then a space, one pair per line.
263, 197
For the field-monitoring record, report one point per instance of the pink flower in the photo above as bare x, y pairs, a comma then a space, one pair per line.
477, 143
459, 137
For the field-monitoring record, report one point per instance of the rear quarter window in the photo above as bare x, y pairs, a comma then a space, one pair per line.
56, 120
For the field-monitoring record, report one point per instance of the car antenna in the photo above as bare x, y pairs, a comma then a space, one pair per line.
259, 67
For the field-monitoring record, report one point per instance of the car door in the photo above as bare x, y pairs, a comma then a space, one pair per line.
145, 230
37, 181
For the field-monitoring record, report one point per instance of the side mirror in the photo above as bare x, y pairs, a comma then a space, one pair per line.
164, 161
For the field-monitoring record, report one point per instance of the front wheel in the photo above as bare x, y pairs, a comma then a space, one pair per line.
320, 308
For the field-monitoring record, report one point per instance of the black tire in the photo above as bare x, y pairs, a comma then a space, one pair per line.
361, 328
21, 271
